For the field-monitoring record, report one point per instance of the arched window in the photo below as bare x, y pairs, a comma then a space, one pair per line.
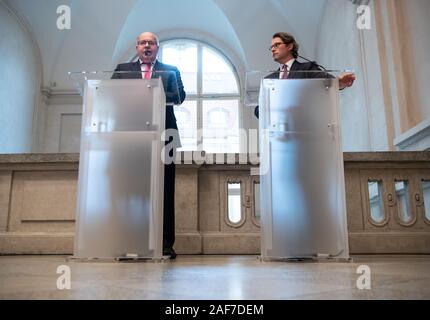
209, 118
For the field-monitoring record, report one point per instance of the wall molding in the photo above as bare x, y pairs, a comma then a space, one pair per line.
415, 139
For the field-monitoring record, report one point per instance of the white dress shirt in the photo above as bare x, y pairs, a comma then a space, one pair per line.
288, 64
142, 68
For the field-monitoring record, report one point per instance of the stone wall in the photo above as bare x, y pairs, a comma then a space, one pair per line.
38, 203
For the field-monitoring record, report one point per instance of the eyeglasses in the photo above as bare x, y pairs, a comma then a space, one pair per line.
276, 45
143, 42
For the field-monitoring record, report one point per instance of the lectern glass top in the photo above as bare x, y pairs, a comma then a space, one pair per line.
253, 79
171, 81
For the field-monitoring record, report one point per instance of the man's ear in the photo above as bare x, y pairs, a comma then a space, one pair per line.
290, 47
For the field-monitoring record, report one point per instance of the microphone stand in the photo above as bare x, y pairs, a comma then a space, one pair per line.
313, 62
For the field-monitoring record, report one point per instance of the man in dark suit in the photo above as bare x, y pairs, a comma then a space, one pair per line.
146, 67
285, 51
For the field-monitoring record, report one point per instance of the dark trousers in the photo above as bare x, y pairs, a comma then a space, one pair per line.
169, 206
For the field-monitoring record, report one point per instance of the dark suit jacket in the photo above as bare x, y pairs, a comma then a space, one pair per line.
173, 86
296, 67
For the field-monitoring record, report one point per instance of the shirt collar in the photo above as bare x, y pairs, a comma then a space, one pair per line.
289, 63
152, 64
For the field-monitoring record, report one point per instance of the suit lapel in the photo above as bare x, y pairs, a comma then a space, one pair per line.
273, 75
155, 69
135, 67
294, 67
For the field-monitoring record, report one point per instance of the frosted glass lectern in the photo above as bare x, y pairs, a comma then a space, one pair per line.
121, 173
302, 192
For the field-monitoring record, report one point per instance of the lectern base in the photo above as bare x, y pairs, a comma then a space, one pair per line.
119, 259
304, 259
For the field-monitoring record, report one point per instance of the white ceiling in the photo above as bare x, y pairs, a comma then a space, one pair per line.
103, 31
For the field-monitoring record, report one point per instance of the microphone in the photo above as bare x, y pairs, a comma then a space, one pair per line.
313, 62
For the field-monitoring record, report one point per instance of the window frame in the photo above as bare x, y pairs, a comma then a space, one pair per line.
199, 97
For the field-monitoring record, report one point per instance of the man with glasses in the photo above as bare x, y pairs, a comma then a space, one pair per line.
147, 67
285, 51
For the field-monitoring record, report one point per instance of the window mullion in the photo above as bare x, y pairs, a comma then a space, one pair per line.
220, 96
199, 97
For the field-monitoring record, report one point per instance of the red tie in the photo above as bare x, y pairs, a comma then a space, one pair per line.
284, 69
147, 71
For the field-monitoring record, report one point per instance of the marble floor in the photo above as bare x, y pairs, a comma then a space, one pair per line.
215, 277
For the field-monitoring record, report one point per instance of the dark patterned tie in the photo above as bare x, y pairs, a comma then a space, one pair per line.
284, 69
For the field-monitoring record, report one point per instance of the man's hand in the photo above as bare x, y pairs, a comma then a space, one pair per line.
346, 80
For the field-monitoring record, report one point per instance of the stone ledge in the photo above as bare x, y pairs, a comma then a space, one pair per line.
388, 156
39, 158
221, 243
186, 243
231, 243
36, 243
389, 243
